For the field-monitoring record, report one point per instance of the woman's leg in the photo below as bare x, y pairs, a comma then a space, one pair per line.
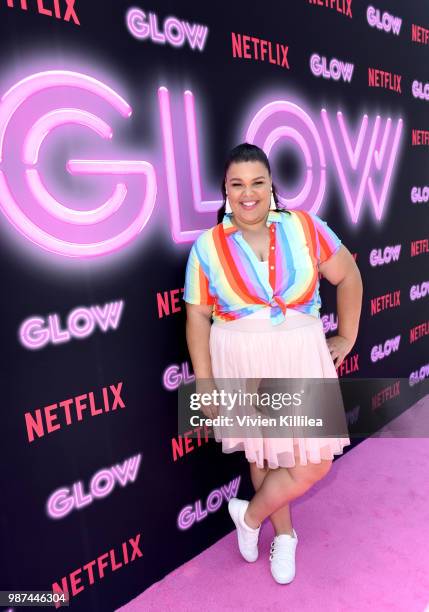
280, 519
257, 474
281, 486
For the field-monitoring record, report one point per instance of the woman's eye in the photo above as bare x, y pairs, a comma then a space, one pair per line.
257, 183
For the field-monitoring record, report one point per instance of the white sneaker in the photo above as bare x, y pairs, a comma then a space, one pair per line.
282, 557
247, 536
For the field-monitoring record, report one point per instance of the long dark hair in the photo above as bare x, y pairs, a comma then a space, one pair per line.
242, 153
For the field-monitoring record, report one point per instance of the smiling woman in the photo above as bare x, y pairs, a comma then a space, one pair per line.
256, 275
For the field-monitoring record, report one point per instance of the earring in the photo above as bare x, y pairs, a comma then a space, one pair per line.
228, 209
273, 204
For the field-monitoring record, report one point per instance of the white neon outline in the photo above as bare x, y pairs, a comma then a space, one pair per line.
289, 132
284, 106
353, 207
191, 131
70, 249
353, 154
11, 100
62, 116
71, 215
378, 204
173, 197
41, 81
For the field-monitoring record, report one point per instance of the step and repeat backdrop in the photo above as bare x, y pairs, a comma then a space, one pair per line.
115, 121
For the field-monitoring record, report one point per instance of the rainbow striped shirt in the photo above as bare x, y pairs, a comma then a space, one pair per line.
222, 268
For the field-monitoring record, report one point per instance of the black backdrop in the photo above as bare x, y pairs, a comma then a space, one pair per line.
36, 549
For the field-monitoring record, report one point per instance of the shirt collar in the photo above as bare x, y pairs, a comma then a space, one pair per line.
273, 216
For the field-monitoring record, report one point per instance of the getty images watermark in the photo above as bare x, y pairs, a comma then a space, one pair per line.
263, 407
231, 401
299, 407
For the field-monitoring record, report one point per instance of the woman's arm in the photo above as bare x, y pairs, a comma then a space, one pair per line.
198, 323
341, 270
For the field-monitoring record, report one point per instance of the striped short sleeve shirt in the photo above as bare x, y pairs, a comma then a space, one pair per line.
222, 269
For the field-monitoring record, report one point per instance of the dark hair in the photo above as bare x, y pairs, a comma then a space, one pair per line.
242, 153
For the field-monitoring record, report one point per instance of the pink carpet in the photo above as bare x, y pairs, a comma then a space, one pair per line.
363, 543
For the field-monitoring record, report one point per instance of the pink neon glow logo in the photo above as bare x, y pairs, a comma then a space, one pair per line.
191, 514
334, 69
380, 351
175, 375
420, 90
363, 168
420, 194
379, 257
36, 332
383, 21
329, 322
65, 499
71, 221
418, 375
174, 31
32, 202
417, 292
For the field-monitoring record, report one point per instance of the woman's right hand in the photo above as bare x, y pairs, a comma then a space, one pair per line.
204, 386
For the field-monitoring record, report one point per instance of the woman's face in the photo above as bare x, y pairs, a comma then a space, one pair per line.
248, 186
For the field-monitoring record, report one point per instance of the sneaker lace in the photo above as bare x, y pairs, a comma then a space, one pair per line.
282, 551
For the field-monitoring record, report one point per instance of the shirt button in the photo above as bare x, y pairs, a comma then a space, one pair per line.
272, 248
272, 267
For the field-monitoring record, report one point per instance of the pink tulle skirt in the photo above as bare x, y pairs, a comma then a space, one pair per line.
252, 347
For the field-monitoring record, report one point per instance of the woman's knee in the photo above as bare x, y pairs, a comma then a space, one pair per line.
307, 475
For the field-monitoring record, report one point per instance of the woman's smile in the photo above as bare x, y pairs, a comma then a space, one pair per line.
249, 204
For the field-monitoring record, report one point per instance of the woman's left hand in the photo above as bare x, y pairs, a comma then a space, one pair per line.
339, 348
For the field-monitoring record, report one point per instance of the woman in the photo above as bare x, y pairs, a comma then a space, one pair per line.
256, 274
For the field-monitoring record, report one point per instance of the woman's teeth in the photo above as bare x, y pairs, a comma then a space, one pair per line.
249, 204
